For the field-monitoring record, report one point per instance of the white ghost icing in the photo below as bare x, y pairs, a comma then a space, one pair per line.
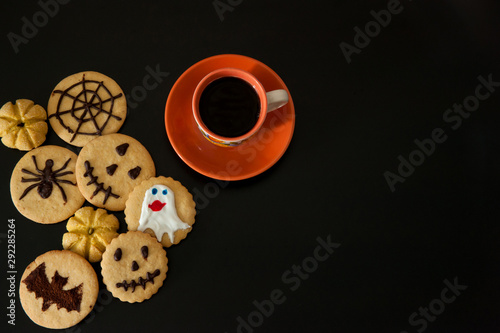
165, 219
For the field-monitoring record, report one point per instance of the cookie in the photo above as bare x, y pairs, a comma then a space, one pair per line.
134, 266
43, 185
109, 167
162, 207
86, 105
89, 232
22, 125
58, 289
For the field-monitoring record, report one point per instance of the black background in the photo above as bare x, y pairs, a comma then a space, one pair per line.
352, 122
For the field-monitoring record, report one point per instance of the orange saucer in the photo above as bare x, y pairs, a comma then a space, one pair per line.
249, 159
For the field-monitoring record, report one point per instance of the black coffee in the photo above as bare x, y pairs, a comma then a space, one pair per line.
229, 107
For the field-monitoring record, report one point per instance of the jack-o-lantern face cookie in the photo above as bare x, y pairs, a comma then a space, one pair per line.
58, 289
163, 208
109, 167
86, 105
43, 185
134, 266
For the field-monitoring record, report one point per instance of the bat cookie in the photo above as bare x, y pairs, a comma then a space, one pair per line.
162, 207
134, 266
43, 185
58, 289
109, 167
86, 105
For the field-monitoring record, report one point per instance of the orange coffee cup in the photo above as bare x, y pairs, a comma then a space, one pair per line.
230, 105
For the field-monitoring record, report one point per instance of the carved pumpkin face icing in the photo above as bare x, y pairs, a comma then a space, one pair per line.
134, 266
109, 167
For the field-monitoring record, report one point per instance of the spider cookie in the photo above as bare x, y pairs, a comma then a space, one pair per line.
134, 266
22, 125
43, 185
89, 232
163, 208
109, 167
58, 289
86, 105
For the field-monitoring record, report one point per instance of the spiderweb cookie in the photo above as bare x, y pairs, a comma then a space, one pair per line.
86, 105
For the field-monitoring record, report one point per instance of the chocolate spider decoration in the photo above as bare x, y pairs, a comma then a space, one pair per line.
46, 178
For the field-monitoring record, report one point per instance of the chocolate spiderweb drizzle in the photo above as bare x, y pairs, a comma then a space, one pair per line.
82, 112
99, 186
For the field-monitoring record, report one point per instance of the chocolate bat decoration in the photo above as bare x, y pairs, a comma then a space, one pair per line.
52, 292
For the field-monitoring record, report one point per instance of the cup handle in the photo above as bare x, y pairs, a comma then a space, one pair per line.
276, 99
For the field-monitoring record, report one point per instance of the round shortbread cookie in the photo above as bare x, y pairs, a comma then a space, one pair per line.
162, 207
134, 266
86, 105
43, 185
58, 289
109, 167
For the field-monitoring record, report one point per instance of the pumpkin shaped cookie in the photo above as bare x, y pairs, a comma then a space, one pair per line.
22, 125
89, 232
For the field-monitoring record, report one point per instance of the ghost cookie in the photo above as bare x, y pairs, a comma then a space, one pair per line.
163, 208
86, 105
134, 266
109, 167
58, 289
43, 185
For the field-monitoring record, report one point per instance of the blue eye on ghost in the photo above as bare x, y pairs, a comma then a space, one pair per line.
164, 192
154, 191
